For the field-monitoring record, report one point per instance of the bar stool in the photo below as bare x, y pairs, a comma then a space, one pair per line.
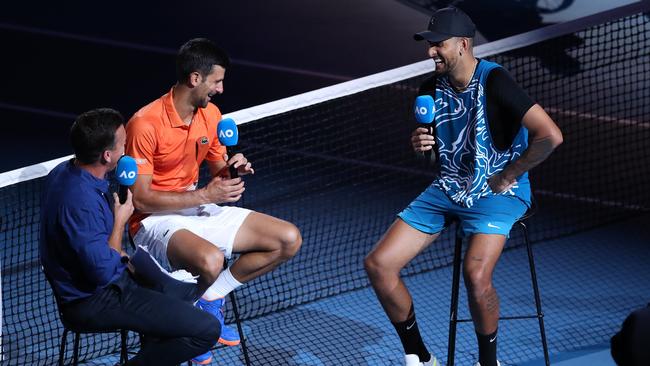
453, 308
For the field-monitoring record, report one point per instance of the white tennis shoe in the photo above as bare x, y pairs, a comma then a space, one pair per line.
479, 364
414, 360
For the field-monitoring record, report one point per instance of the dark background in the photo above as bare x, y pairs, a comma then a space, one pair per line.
62, 58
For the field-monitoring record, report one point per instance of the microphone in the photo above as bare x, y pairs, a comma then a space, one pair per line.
228, 137
424, 115
126, 172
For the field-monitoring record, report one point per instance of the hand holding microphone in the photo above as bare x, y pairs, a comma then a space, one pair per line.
423, 138
229, 136
126, 172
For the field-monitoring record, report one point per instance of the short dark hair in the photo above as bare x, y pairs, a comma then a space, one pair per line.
199, 54
93, 132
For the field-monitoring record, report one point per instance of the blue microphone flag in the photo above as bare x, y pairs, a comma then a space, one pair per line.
424, 109
227, 132
127, 171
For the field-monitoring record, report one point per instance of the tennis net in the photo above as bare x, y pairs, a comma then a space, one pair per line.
337, 162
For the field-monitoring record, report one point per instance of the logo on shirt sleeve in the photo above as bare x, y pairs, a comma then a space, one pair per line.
204, 140
141, 161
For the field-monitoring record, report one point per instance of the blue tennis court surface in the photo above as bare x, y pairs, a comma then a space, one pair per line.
589, 282
596, 355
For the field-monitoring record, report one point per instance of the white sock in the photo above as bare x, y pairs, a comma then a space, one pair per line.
224, 284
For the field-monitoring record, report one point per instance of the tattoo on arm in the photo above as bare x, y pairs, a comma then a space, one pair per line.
537, 152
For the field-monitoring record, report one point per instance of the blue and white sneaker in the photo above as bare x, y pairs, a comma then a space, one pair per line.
229, 336
203, 359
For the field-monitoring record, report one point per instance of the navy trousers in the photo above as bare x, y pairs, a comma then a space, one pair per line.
175, 331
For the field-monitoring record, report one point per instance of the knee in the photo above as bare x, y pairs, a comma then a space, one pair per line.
290, 242
374, 266
211, 264
478, 281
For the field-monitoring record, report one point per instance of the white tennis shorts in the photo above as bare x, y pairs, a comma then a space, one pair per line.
216, 224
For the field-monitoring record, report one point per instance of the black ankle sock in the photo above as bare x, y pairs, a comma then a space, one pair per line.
409, 334
487, 349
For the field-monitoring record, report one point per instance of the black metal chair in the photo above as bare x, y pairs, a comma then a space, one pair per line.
453, 308
75, 358
240, 329
67, 328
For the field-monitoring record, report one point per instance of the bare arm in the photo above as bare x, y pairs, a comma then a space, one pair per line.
217, 168
219, 190
544, 137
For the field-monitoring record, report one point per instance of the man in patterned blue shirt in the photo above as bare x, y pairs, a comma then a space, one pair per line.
488, 135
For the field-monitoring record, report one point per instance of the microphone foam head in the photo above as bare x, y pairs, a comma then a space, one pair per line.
424, 109
227, 132
127, 171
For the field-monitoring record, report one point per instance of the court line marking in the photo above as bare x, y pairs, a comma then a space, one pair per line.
586, 199
606, 119
32, 110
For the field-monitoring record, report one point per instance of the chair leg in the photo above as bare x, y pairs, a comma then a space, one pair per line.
240, 329
538, 302
124, 357
75, 355
64, 340
453, 307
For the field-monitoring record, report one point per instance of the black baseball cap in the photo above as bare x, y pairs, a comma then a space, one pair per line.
446, 23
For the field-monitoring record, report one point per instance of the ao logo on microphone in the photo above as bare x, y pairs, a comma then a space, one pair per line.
226, 133
127, 175
424, 109
127, 171
421, 110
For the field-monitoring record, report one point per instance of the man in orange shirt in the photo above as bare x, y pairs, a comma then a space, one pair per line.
181, 225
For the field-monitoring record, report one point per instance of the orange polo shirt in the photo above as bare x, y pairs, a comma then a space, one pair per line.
171, 151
